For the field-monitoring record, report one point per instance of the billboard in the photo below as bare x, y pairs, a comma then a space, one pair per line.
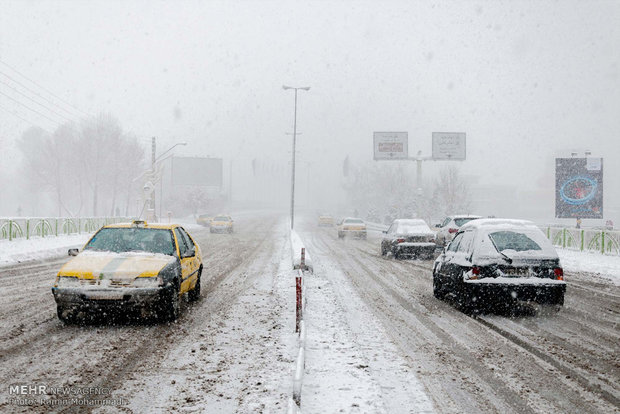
390, 146
579, 188
449, 146
198, 171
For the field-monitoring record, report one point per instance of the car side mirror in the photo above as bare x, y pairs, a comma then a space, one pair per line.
73, 252
438, 225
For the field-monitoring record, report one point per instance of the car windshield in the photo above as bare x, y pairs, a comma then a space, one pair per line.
512, 240
460, 221
221, 218
353, 221
119, 240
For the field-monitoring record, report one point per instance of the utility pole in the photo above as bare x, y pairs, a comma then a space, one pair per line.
306, 88
153, 157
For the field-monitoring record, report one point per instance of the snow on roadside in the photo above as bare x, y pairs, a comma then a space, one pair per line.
607, 267
37, 248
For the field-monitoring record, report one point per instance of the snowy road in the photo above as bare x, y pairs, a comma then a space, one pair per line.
233, 351
534, 361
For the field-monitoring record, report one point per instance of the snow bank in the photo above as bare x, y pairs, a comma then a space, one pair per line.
607, 267
296, 246
21, 250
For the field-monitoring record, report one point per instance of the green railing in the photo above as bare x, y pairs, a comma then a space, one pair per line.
12, 228
589, 240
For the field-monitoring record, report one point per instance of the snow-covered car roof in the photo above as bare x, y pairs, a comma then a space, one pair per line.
352, 218
414, 226
496, 223
487, 227
456, 216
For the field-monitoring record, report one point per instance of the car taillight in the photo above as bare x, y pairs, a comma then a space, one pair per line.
452, 230
475, 273
400, 240
559, 273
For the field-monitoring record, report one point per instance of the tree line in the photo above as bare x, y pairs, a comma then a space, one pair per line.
89, 168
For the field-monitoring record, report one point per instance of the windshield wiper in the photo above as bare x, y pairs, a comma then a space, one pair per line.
505, 256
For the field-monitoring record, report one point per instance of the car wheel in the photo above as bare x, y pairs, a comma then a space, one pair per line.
194, 294
340, 236
438, 291
396, 254
171, 304
65, 315
383, 251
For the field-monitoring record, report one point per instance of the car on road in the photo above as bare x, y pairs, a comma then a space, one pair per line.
409, 238
221, 224
450, 225
493, 262
352, 226
325, 220
204, 220
130, 266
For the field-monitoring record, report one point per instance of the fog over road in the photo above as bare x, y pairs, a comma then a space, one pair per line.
233, 351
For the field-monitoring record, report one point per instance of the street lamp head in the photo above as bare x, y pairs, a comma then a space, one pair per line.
286, 87
305, 88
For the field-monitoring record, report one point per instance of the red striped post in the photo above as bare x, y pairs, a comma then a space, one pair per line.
298, 311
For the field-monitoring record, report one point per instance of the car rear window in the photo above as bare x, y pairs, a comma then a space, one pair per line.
512, 240
133, 239
221, 218
460, 221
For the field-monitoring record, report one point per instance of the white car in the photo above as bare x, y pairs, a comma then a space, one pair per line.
450, 225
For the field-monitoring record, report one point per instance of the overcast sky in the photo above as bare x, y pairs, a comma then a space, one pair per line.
526, 80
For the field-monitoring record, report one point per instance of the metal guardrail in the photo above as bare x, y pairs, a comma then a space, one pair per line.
585, 240
12, 228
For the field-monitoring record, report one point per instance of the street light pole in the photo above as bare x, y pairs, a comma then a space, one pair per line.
305, 88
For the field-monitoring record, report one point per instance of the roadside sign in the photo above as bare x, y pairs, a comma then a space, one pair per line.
390, 146
449, 146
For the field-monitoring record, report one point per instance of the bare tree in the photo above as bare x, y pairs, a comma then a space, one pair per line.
451, 194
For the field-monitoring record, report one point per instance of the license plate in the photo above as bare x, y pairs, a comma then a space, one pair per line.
105, 296
517, 271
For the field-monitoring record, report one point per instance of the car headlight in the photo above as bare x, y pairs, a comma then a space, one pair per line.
68, 281
147, 282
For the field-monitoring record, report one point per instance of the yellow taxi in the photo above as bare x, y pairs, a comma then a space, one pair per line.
127, 266
221, 224
204, 220
352, 226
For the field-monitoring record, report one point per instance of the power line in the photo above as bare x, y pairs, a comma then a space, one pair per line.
38, 103
24, 119
45, 89
33, 110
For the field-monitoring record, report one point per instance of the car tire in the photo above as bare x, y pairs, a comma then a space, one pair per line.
194, 294
438, 288
383, 251
340, 236
396, 254
170, 307
67, 317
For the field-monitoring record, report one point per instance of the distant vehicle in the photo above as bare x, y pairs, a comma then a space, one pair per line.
204, 220
352, 226
221, 224
409, 238
494, 262
130, 265
326, 220
450, 225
